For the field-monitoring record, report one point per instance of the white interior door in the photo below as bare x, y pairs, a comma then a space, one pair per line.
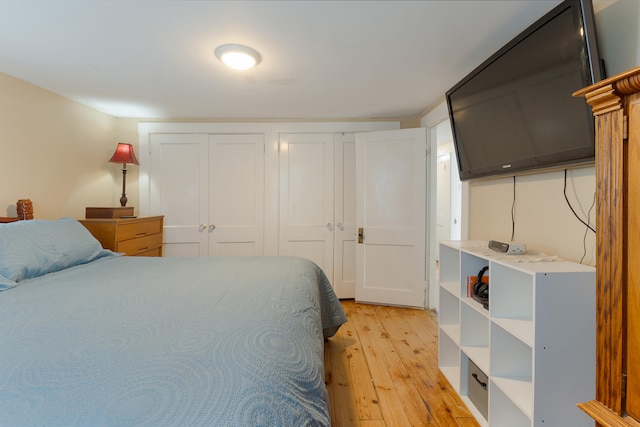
390, 210
236, 201
307, 198
179, 189
344, 276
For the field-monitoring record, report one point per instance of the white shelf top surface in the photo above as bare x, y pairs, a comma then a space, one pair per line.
529, 262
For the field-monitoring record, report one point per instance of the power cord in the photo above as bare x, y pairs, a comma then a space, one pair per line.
513, 210
571, 207
588, 227
584, 238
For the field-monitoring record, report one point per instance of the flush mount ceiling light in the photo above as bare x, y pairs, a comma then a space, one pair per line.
237, 56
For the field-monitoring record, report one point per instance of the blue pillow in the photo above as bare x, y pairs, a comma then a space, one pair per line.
33, 248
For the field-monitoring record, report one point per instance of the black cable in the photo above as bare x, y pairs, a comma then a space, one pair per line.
571, 207
513, 210
584, 238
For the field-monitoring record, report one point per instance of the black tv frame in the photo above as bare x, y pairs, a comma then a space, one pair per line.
592, 71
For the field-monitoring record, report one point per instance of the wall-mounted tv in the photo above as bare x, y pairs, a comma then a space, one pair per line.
515, 113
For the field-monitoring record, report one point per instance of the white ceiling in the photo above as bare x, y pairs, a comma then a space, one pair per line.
320, 59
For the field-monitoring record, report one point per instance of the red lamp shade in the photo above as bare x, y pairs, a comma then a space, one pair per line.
124, 154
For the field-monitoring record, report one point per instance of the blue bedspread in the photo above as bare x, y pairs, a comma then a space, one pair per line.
127, 341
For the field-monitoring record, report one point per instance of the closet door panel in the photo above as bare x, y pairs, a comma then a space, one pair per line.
236, 202
307, 198
345, 216
179, 189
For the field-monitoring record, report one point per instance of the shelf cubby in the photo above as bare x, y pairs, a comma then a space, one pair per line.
504, 412
449, 265
449, 307
449, 359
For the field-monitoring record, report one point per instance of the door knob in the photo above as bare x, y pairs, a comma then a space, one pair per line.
212, 227
330, 226
202, 227
340, 226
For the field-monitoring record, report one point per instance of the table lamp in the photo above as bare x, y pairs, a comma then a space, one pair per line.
124, 154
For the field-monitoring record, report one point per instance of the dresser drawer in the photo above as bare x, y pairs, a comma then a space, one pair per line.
140, 245
131, 236
138, 229
152, 252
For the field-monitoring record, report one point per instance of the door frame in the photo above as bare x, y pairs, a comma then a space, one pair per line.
431, 120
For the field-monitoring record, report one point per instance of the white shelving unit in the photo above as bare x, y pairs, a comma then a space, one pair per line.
536, 342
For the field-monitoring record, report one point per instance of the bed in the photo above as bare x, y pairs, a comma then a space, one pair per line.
92, 338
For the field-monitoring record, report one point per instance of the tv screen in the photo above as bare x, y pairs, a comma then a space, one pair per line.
515, 112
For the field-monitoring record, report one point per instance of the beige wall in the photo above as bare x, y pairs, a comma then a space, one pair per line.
543, 219
54, 151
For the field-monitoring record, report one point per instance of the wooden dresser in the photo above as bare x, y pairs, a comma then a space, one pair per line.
133, 236
616, 107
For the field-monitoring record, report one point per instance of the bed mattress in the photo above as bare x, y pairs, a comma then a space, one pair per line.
125, 341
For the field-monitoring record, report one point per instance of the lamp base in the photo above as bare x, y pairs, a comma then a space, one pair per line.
119, 212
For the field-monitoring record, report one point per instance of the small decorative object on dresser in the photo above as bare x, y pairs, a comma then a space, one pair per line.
24, 207
118, 212
132, 236
24, 210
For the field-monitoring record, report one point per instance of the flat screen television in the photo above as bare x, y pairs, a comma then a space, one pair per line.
515, 112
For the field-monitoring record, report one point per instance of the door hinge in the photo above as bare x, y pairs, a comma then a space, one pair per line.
625, 127
624, 386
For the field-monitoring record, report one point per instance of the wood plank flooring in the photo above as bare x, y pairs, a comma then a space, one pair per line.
381, 370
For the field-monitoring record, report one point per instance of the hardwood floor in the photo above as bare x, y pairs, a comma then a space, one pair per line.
381, 370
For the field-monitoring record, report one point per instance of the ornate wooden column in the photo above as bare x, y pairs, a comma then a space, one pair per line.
616, 107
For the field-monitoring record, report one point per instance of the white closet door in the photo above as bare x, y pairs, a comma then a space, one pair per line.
178, 187
307, 198
344, 276
390, 207
236, 202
